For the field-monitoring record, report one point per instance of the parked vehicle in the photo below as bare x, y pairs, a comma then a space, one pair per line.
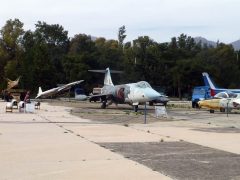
200, 93
96, 91
80, 94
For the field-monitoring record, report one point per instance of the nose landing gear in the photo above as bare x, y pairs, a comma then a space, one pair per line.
135, 108
104, 105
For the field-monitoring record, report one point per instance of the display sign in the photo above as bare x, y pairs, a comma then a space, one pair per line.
160, 111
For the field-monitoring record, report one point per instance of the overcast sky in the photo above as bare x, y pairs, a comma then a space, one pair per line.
159, 19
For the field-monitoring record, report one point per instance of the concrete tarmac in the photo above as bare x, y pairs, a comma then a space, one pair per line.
52, 143
40, 146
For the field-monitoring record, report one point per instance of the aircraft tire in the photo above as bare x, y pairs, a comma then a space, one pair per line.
104, 105
150, 103
222, 109
195, 105
211, 111
135, 108
229, 110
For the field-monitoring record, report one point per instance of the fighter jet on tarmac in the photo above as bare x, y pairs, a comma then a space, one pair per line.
132, 93
57, 90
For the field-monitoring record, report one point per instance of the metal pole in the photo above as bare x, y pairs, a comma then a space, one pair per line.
227, 106
227, 109
69, 95
145, 113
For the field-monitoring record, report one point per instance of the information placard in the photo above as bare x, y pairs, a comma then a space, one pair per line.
160, 111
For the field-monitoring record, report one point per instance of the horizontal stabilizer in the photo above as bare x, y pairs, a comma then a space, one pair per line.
104, 71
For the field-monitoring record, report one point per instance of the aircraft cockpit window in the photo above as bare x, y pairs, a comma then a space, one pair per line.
143, 84
222, 95
232, 95
226, 95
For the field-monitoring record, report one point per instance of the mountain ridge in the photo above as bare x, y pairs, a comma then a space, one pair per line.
235, 44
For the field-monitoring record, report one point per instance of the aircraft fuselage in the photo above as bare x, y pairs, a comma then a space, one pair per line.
133, 93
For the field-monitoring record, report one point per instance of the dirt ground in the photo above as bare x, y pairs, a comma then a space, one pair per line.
124, 114
120, 114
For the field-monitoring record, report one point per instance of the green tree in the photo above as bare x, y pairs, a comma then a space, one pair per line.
121, 35
10, 49
45, 49
81, 57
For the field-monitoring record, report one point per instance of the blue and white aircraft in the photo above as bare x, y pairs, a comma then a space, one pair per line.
213, 89
132, 93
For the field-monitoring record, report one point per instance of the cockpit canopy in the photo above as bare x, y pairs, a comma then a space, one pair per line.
143, 84
226, 95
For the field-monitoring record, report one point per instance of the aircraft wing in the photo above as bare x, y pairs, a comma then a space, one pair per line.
8, 80
162, 99
68, 86
103, 95
11, 83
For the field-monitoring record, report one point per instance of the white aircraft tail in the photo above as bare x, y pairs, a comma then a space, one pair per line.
39, 91
208, 81
108, 78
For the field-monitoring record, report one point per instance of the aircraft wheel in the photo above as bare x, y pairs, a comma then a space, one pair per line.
229, 110
135, 108
211, 111
150, 103
193, 105
222, 110
104, 105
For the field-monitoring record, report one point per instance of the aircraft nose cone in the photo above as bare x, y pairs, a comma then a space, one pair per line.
164, 99
201, 103
151, 94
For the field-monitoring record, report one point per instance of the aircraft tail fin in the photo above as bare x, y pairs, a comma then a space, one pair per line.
108, 78
39, 92
18, 78
208, 81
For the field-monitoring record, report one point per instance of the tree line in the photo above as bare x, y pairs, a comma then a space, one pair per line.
47, 56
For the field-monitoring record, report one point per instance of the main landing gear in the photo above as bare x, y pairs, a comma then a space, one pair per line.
211, 111
104, 105
135, 108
